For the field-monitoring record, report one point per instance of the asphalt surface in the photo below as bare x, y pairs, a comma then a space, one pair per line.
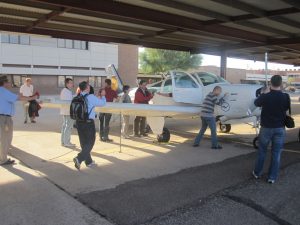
254, 202
195, 192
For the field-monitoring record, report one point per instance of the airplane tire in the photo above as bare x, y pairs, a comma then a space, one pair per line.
165, 136
255, 142
147, 129
225, 128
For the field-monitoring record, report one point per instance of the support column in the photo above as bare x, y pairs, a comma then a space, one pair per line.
266, 68
223, 64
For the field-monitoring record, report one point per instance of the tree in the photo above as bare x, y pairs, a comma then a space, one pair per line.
160, 60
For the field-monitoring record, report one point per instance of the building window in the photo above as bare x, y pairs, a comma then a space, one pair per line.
77, 44
61, 80
92, 81
69, 44
99, 81
24, 40
14, 39
18, 80
4, 38
61, 43
84, 45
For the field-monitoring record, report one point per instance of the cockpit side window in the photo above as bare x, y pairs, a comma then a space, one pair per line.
208, 78
158, 84
167, 88
183, 80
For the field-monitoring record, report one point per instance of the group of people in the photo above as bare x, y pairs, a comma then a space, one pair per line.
86, 129
274, 106
272, 119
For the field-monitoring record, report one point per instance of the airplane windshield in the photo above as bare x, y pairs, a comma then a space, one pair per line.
208, 78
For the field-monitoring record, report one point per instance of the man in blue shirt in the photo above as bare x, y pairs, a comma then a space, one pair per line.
274, 105
7, 110
86, 129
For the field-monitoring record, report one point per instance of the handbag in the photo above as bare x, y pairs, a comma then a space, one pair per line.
289, 120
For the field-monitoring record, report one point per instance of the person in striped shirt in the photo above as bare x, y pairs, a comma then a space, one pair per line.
208, 118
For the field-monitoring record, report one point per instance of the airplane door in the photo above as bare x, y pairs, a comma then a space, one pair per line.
186, 89
116, 81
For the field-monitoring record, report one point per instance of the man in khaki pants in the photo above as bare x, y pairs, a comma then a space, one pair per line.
7, 110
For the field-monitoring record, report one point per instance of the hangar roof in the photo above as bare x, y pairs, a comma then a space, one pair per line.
243, 28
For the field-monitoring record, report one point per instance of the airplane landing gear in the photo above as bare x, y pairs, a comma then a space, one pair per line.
147, 129
165, 136
224, 128
255, 142
299, 136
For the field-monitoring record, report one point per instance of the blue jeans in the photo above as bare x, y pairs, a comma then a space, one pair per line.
211, 123
276, 136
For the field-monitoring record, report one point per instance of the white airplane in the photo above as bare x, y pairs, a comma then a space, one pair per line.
180, 95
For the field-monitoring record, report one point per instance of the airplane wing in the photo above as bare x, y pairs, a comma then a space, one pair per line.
134, 109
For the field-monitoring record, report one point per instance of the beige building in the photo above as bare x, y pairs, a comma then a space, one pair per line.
48, 61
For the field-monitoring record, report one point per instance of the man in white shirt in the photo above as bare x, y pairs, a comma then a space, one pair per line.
26, 90
66, 130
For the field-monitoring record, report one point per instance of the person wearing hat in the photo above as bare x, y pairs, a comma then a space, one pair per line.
7, 110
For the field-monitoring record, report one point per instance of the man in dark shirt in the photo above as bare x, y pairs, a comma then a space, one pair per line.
274, 105
104, 118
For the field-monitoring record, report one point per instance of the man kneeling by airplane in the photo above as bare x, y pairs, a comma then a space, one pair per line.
208, 118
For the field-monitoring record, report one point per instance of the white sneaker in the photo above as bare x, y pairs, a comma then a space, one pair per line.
69, 145
270, 181
254, 175
93, 163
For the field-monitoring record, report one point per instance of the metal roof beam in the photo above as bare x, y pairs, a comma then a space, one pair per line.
144, 14
257, 12
191, 9
220, 18
294, 3
273, 41
91, 37
242, 6
46, 18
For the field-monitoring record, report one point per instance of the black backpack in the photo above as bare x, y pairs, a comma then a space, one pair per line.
79, 108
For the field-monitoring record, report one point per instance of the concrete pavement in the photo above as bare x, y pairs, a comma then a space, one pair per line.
27, 198
150, 172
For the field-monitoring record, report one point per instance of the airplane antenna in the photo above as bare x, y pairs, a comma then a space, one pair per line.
266, 68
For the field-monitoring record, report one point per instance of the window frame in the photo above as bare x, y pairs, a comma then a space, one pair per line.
178, 77
5, 35
13, 35
62, 85
20, 39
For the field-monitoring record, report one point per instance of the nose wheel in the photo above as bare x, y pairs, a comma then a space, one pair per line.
224, 128
147, 129
165, 136
255, 142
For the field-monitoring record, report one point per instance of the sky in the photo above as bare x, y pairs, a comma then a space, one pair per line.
211, 60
